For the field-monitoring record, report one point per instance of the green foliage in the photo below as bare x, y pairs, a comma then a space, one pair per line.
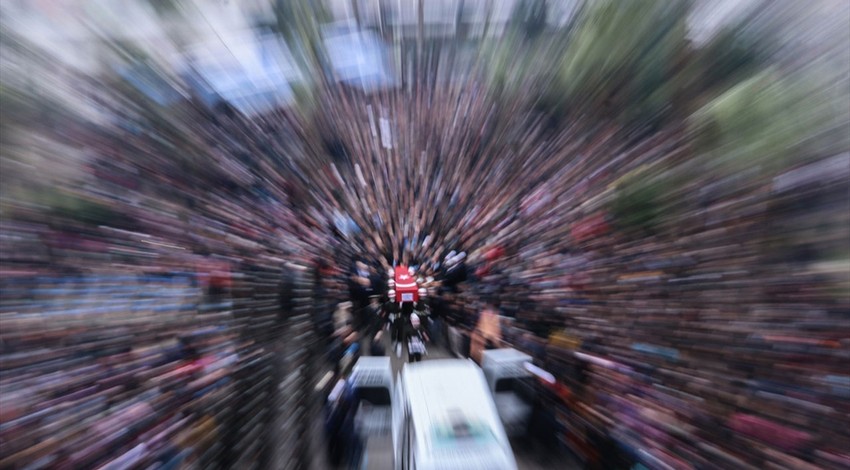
165, 7
500, 60
24, 111
622, 56
298, 22
619, 59
305, 99
128, 50
735, 53
520, 70
760, 122
70, 207
637, 202
529, 17
14, 105
732, 55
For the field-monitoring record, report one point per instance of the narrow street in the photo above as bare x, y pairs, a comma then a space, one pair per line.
529, 455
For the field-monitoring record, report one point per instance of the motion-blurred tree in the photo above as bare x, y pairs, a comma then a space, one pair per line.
66, 207
636, 205
737, 51
299, 24
760, 122
529, 16
732, 55
614, 60
165, 7
30, 112
620, 58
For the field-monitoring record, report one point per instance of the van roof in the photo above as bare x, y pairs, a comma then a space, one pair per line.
441, 391
373, 362
507, 354
428, 370
370, 371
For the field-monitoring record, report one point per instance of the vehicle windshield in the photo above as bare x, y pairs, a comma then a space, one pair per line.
522, 386
462, 431
473, 445
375, 396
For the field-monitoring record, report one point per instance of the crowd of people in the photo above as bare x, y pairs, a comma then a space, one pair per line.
116, 370
704, 323
715, 338
125, 326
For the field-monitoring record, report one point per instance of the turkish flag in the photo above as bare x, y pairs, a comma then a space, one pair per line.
405, 283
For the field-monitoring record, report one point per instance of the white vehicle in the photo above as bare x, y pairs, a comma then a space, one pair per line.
444, 418
372, 382
511, 384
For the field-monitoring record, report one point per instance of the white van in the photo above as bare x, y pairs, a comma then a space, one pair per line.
444, 418
512, 387
372, 383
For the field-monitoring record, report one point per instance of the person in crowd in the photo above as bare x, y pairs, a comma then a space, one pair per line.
342, 316
668, 302
377, 344
390, 311
286, 296
416, 338
373, 317
401, 326
339, 425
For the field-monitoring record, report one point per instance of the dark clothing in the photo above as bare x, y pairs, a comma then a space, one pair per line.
389, 308
456, 275
375, 283
398, 328
287, 294
415, 345
339, 430
436, 334
377, 348
373, 320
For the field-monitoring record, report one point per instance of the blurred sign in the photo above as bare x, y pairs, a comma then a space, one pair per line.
252, 73
357, 58
386, 135
152, 84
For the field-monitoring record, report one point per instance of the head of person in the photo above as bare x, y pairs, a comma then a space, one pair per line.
414, 320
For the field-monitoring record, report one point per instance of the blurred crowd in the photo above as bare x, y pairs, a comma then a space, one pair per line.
721, 331
113, 371
708, 310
